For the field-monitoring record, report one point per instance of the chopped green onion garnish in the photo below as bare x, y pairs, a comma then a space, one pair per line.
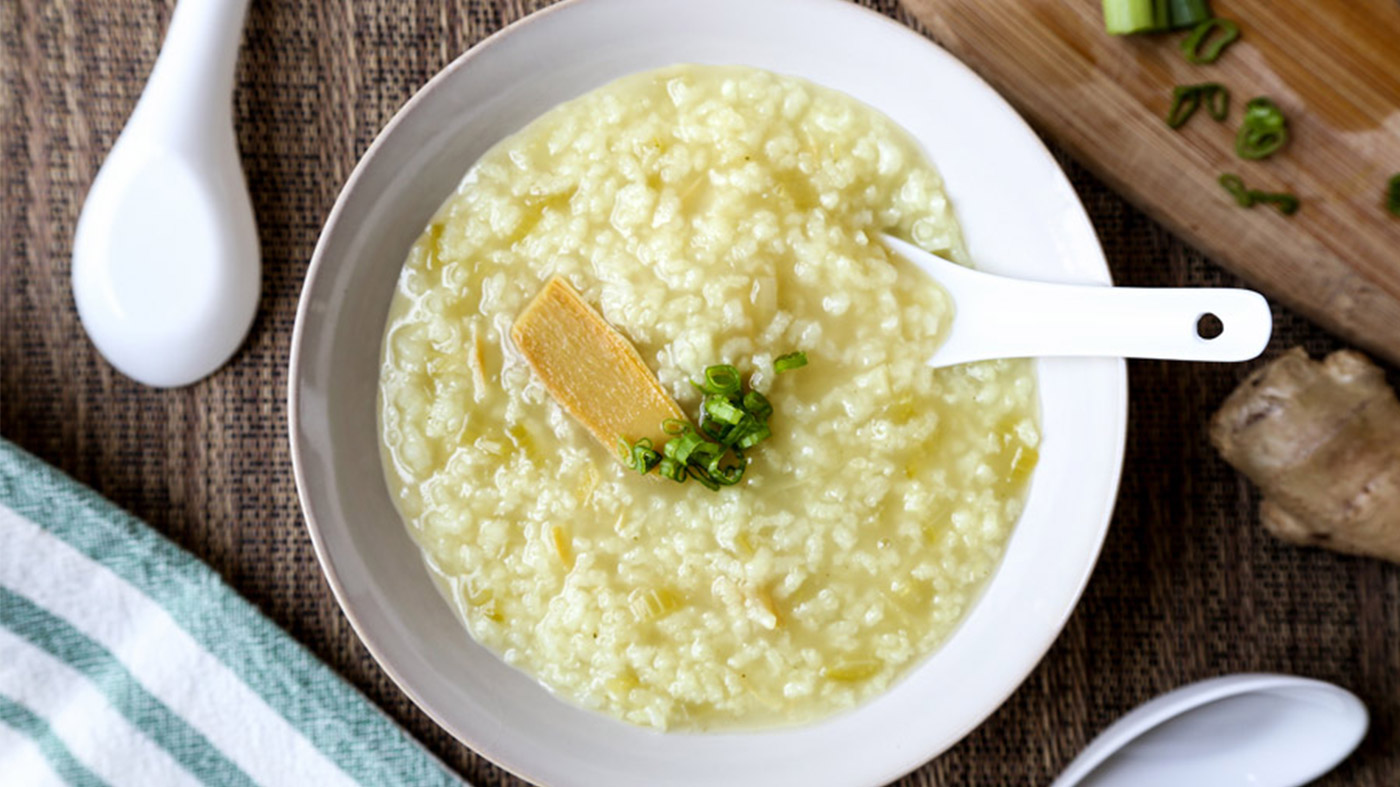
731, 475
713, 429
754, 436
1202, 47
758, 406
644, 459
670, 468
786, 363
737, 432
680, 448
719, 408
640, 456
712, 462
1263, 131
706, 454
722, 380
732, 421
704, 478
1287, 204
1392, 197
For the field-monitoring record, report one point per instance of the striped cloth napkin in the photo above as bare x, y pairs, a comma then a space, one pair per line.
126, 661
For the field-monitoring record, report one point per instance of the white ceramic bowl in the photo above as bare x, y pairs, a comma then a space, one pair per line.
1021, 218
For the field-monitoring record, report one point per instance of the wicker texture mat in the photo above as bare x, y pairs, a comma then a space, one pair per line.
1188, 585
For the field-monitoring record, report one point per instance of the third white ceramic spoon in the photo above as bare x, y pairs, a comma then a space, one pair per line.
997, 317
1252, 730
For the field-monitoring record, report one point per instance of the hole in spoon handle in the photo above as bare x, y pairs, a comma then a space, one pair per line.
1230, 325
1209, 326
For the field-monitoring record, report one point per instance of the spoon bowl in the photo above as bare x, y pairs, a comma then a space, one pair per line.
1253, 730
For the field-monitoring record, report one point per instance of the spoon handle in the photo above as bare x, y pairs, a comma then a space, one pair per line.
190, 90
1027, 319
998, 317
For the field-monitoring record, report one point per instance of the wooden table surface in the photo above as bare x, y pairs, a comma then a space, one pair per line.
1188, 586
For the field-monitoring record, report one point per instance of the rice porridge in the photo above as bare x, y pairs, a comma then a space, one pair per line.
711, 215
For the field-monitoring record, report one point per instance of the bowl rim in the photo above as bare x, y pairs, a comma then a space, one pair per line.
318, 264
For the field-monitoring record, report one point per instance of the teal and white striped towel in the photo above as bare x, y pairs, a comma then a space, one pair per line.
126, 661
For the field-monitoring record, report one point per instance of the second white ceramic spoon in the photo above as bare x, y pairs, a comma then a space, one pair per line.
166, 269
1252, 730
997, 317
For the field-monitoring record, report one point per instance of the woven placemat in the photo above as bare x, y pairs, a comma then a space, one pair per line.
1187, 587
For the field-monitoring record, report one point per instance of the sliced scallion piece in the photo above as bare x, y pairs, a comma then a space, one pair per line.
719, 408
1235, 185
753, 437
1124, 17
1217, 100
713, 429
703, 477
731, 474
706, 454
759, 407
1392, 196
1262, 113
1251, 144
680, 448
670, 468
639, 456
1187, 13
1263, 131
644, 458
1186, 99
1208, 40
733, 433
722, 379
1286, 203
790, 361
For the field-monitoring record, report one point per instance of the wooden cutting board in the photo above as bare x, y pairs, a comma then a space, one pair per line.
1332, 65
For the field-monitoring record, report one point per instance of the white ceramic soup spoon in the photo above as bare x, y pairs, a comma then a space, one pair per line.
1233, 731
997, 317
165, 260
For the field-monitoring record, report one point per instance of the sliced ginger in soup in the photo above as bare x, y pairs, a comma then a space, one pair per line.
591, 369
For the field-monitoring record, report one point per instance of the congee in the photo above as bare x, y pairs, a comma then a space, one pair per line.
711, 215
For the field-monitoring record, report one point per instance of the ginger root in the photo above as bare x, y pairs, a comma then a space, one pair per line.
1322, 441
